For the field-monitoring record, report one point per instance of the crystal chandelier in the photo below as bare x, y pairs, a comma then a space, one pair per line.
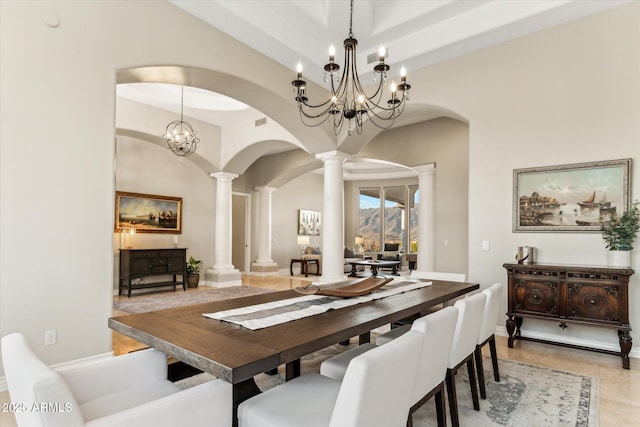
348, 99
180, 136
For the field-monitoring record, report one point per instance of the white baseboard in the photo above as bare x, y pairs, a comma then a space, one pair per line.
635, 352
77, 362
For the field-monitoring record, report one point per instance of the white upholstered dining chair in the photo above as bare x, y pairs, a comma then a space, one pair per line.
487, 334
437, 329
376, 391
470, 312
129, 390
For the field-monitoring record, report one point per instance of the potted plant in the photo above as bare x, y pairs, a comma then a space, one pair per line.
193, 272
619, 234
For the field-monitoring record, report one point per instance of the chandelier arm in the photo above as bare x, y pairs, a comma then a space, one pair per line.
341, 91
310, 108
394, 107
324, 117
374, 99
312, 124
381, 123
306, 104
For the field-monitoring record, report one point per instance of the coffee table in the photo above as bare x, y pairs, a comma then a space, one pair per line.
375, 265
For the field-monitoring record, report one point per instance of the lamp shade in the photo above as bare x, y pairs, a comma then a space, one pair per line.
359, 240
303, 240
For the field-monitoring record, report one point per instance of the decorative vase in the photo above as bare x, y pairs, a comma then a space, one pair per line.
619, 258
193, 280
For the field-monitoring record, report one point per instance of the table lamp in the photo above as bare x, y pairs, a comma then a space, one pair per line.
303, 241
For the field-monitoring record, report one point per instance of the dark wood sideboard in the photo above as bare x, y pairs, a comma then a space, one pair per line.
570, 294
143, 263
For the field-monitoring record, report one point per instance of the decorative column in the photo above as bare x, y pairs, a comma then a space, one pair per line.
426, 217
223, 273
264, 265
333, 217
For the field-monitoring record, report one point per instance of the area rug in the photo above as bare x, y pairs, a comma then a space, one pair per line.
160, 301
525, 396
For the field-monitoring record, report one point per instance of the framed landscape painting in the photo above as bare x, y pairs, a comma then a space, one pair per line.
148, 213
576, 197
308, 223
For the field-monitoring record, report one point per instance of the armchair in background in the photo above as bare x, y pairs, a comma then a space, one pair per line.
314, 253
350, 256
391, 252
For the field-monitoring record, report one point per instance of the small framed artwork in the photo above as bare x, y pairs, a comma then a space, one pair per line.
309, 223
148, 213
575, 197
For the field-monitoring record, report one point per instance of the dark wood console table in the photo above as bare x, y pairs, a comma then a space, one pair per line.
583, 295
141, 263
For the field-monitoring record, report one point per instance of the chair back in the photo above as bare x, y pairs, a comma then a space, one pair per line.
32, 383
470, 312
436, 275
391, 247
378, 384
438, 329
491, 312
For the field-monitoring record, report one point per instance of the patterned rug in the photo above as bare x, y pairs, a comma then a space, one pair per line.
525, 396
179, 298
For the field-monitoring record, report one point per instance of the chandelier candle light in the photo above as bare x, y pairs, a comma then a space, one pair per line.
180, 136
348, 99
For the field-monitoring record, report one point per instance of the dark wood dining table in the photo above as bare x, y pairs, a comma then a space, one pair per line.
235, 354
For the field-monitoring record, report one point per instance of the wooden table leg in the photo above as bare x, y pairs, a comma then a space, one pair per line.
354, 272
291, 267
394, 270
364, 338
374, 270
625, 347
241, 392
511, 328
292, 370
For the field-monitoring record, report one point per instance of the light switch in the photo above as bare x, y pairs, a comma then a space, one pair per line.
485, 245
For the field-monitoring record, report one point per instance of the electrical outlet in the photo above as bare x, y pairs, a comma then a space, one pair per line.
50, 337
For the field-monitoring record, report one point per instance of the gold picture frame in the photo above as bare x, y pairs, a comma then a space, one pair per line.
575, 197
148, 213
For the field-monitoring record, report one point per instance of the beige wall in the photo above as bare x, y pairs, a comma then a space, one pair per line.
143, 167
444, 142
564, 95
305, 192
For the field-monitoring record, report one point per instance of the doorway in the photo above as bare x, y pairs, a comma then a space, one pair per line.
240, 208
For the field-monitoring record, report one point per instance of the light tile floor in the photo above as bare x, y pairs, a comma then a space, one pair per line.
619, 388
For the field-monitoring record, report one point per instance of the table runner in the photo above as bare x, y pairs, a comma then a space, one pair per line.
261, 316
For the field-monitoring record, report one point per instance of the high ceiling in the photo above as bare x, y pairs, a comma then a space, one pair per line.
417, 33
